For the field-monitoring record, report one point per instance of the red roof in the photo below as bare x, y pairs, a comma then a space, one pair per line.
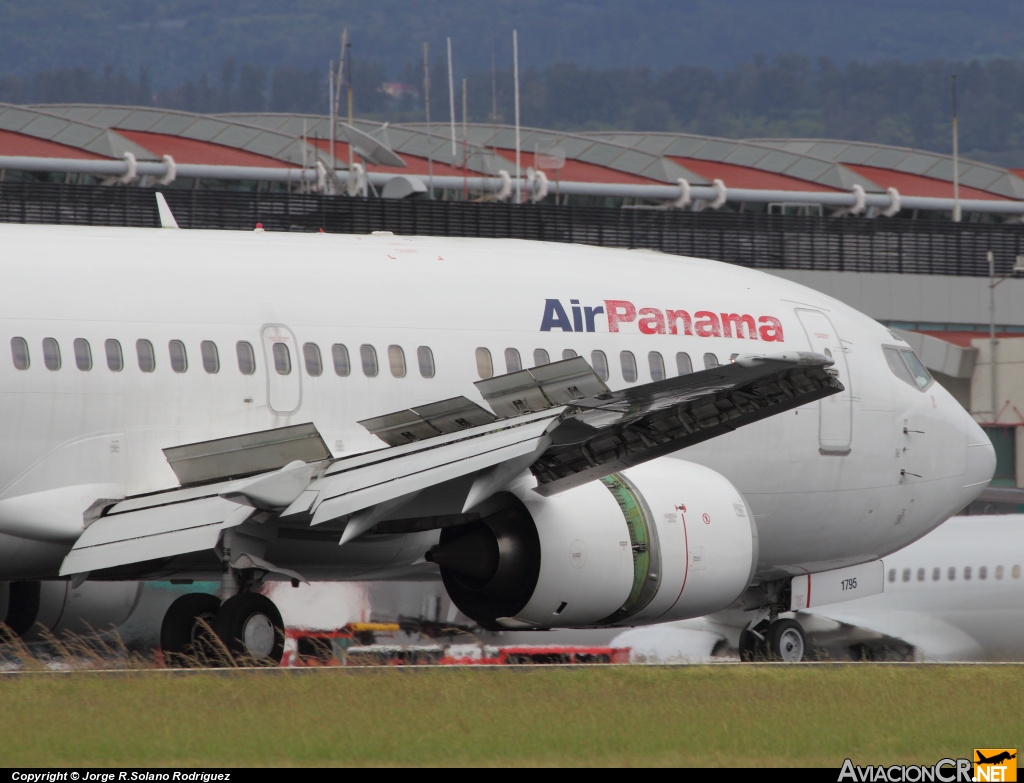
577, 170
202, 152
963, 339
18, 144
734, 176
916, 185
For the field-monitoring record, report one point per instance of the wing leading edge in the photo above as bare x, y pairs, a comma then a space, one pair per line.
561, 422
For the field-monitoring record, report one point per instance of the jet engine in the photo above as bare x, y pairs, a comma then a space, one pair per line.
32, 608
666, 540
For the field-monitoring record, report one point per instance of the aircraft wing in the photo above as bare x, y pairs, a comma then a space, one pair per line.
559, 421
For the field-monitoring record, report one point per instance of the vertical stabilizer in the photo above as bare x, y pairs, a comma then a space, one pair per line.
166, 216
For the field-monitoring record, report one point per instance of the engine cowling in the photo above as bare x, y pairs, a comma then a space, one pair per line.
667, 540
33, 608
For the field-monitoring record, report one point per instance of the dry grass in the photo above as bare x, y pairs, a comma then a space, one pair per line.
618, 716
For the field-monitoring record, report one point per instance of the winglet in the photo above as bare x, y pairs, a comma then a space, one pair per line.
166, 216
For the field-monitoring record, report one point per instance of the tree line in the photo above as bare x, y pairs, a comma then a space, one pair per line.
888, 102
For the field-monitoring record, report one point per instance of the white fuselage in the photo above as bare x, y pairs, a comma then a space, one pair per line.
846, 480
955, 595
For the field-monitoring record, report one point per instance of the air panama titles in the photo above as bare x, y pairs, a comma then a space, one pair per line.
651, 320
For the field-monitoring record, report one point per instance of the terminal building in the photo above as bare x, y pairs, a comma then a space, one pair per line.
925, 244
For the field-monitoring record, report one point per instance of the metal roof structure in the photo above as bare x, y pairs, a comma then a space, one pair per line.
145, 146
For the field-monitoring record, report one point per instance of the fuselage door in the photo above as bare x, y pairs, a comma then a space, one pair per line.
835, 413
281, 359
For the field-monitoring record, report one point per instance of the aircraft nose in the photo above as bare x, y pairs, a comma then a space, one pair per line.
981, 460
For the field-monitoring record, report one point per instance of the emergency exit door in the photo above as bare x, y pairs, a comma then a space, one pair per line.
281, 363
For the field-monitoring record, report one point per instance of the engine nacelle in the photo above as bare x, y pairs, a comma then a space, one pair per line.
667, 540
31, 609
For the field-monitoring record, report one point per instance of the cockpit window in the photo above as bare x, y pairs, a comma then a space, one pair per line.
907, 367
922, 377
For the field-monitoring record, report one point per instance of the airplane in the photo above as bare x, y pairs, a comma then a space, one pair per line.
566, 436
953, 595
1003, 756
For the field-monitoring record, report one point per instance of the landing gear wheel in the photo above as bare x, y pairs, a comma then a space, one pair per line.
250, 627
186, 633
786, 641
754, 647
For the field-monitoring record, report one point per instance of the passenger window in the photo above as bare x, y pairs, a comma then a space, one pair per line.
920, 575
892, 574
314, 364
683, 364
19, 353
83, 354
600, 364
115, 359
951, 574
368, 356
999, 572
51, 353
983, 572
484, 368
936, 574
425, 357
146, 354
342, 366
569, 353
512, 361
246, 357
540, 357
657, 365
906, 574
628, 362
1015, 573
179, 359
967, 572
211, 356
710, 360
396, 360
282, 358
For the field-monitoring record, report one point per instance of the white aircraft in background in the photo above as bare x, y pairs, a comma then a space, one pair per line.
251, 407
955, 595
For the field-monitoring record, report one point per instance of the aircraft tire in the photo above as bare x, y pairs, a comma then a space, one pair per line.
786, 641
250, 627
186, 638
751, 647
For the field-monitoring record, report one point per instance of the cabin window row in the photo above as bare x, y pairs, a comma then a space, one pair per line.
599, 361
245, 355
967, 573
368, 360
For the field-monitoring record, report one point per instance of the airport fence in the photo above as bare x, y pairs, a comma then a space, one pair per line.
846, 244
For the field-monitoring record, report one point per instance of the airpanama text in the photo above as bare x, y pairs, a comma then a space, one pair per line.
618, 313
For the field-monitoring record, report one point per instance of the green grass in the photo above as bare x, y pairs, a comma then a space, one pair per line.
619, 716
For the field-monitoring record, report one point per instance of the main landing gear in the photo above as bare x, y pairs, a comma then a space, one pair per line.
773, 640
199, 630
